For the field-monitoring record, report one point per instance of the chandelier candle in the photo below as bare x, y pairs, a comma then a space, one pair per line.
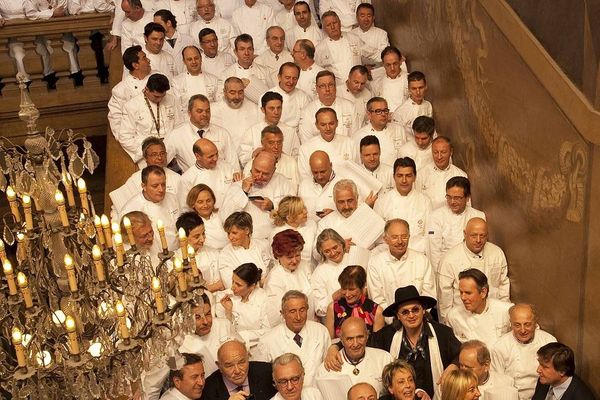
163, 238
158, 297
97, 256
107, 233
62, 210
183, 243
25, 291
83, 195
129, 231
68, 184
70, 267
10, 278
12, 201
72, 332
28, 214
17, 340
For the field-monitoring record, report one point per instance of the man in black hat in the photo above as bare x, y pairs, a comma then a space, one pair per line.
430, 347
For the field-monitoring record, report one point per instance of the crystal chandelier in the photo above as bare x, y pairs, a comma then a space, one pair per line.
80, 316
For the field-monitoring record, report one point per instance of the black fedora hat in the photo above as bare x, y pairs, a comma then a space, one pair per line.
405, 294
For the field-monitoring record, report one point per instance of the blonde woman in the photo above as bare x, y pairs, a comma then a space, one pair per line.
460, 385
292, 214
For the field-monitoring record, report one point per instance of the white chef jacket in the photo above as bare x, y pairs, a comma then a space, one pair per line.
182, 40
339, 149
137, 123
280, 280
225, 8
315, 343
185, 13
519, 360
369, 368
232, 257
166, 210
445, 229
360, 101
254, 21
226, 33
308, 393
339, 56
432, 181
251, 140
309, 234
488, 326
259, 77
132, 32
285, 166
249, 319
374, 37
122, 92
218, 179
495, 380
342, 225
275, 190
317, 197
345, 9
293, 105
296, 32
77, 7
162, 62
217, 64
383, 173
174, 394
235, 120
414, 208
216, 237
491, 261
186, 85
11, 9
324, 282
347, 116
273, 61
386, 273
391, 138
395, 91
41, 9
421, 157
173, 179
307, 81
406, 113
181, 141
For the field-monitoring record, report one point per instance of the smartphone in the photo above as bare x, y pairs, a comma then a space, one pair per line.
252, 198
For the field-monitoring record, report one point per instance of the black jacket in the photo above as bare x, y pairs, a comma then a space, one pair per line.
577, 390
260, 379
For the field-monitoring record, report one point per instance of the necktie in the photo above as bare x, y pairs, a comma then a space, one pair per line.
551, 395
200, 132
172, 42
239, 388
277, 57
298, 340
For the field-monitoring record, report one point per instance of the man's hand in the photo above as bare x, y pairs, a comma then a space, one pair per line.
247, 183
371, 199
112, 43
325, 212
422, 395
246, 82
349, 243
265, 204
256, 151
333, 359
59, 12
227, 303
241, 395
450, 368
337, 294
237, 176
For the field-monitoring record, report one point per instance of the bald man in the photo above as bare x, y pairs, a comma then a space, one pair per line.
362, 391
360, 363
237, 377
211, 171
515, 353
474, 252
317, 190
259, 193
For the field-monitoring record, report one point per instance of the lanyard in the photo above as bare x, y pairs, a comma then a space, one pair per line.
155, 119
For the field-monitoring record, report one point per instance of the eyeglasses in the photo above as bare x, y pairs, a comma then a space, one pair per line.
395, 238
161, 154
381, 111
294, 380
454, 198
415, 310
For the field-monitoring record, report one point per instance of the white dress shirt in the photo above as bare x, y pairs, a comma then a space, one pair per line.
369, 368
395, 91
185, 85
391, 138
166, 210
275, 190
218, 179
339, 56
519, 360
491, 261
445, 229
252, 140
254, 21
307, 81
488, 326
293, 105
232, 257
217, 64
421, 157
347, 116
406, 113
341, 148
432, 182
180, 142
235, 120
138, 124
414, 208
315, 343
122, 92
386, 273
226, 33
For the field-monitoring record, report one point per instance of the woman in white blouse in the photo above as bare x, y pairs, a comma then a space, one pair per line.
333, 250
290, 271
292, 214
201, 199
246, 306
242, 247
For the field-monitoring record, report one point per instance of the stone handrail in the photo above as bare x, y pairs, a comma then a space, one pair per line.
23, 28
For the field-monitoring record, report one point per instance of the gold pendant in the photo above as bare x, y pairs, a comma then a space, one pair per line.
356, 371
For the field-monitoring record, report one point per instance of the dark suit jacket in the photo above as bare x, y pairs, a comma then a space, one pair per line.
260, 379
577, 390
